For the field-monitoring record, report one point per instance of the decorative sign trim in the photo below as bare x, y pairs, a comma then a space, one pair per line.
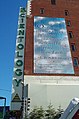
16, 98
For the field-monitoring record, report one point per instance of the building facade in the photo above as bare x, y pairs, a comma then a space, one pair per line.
68, 10
47, 54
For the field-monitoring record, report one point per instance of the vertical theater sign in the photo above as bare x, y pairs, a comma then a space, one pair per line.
19, 62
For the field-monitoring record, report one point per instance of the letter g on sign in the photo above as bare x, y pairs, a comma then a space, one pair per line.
18, 72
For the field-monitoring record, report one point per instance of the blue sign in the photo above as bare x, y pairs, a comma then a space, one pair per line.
51, 46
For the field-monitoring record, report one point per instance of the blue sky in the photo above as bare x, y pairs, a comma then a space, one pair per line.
9, 10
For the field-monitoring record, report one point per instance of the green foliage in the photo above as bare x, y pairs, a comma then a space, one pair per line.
37, 113
1, 114
58, 113
10, 114
49, 113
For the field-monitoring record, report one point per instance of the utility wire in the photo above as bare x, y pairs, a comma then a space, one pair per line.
5, 90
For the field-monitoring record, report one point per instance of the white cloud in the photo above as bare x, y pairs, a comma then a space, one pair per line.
42, 26
37, 56
70, 61
54, 55
43, 61
35, 32
68, 54
37, 44
35, 19
65, 62
41, 18
38, 18
39, 32
50, 30
53, 22
65, 37
63, 30
64, 43
56, 22
47, 41
42, 33
63, 21
45, 26
39, 38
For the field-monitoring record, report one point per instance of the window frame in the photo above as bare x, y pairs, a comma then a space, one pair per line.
53, 2
75, 62
42, 10
73, 47
66, 12
70, 33
68, 22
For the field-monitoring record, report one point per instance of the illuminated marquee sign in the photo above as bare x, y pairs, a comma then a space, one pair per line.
51, 46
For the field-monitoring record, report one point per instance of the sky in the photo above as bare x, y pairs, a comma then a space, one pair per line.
9, 11
52, 51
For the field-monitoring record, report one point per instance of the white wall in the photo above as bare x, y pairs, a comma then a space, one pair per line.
57, 90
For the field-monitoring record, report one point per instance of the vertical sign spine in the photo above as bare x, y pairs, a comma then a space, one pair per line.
19, 62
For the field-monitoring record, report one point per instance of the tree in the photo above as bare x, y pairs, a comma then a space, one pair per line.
58, 113
49, 113
37, 113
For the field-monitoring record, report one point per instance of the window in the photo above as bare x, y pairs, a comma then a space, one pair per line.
41, 10
66, 12
53, 2
75, 61
68, 23
70, 34
73, 47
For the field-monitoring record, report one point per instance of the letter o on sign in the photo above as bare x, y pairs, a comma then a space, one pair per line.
18, 72
20, 46
19, 63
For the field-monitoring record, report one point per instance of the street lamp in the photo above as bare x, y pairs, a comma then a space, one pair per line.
4, 110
